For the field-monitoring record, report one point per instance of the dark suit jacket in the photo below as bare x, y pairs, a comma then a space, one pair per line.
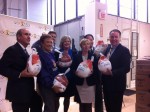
120, 61
13, 61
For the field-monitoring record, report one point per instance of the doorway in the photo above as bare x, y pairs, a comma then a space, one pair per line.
134, 53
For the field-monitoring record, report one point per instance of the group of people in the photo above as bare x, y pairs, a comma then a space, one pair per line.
87, 90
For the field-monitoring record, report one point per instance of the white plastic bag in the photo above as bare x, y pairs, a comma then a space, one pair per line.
61, 81
104, 64
5, 106
64, 60
100, 47
85, 68
34, 63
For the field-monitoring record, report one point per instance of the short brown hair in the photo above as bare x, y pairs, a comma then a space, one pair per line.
50, 32
115, 30
44, 36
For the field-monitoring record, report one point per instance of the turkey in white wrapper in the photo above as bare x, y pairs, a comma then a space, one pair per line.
34, 63
104, 64
85, 68
61, 81
64, 60
100, 47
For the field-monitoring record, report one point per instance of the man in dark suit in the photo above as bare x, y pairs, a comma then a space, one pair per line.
20, 87
114, 81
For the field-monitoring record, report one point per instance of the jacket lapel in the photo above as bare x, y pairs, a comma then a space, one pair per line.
116, 51
21, 51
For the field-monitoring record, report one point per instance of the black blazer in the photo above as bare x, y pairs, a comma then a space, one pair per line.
120, 61
13, 61
94, 79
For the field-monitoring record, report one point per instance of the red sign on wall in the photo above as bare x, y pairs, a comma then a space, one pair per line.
102, 14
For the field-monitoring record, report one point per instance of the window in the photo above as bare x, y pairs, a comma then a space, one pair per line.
135, 9
148, 11
103, 1
112, 7
37, 14
59, 11
70, 9
53, 12
82, 6
48, 12
126, 8
141, 12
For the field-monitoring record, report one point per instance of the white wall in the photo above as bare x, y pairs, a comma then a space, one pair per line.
144, 40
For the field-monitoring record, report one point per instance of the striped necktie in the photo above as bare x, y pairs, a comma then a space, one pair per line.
109, 53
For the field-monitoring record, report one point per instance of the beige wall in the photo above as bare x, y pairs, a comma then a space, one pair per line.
144, 39
126, 26
9, 25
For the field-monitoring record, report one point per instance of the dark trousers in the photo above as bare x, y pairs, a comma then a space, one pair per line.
113, 101
51, 101
66, 103
34, 106
85, 107
98, 98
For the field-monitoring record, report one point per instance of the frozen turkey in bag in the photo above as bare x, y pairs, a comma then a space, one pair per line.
61, 81
104, 64
64, 60
34, 63
100, 47
85, 68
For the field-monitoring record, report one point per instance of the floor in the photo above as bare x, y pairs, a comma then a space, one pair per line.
127, 106
129, 101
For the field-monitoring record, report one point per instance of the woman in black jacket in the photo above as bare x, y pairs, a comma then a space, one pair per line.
88, 89
64, 61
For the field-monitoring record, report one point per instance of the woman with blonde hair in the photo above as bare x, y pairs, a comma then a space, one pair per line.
64, 61
86, 83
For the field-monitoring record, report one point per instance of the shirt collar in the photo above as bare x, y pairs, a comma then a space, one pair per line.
114, 47
21, 46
